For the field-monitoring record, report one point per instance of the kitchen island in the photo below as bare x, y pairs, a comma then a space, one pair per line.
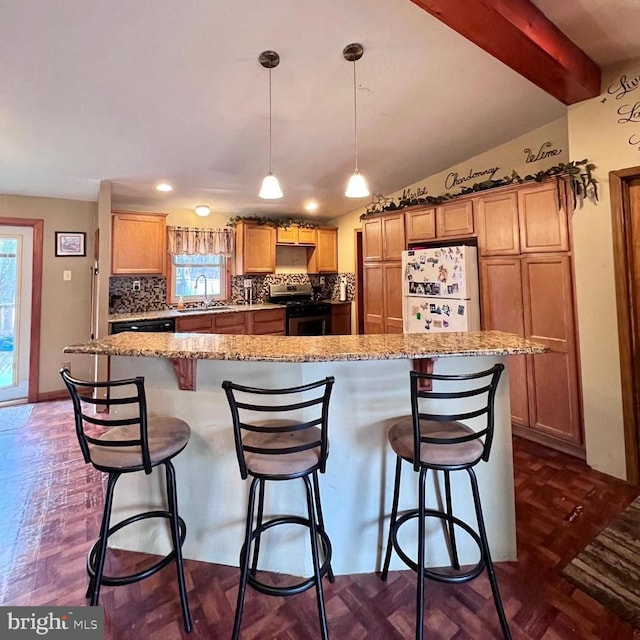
371, 391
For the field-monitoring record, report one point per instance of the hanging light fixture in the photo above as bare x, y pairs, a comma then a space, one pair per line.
357, 187
270, 186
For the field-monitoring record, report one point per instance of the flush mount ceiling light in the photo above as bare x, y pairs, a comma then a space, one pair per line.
311, 205
270, 186
202, 210
163, 186
357, 187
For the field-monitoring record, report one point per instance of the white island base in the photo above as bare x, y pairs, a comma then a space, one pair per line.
356, 489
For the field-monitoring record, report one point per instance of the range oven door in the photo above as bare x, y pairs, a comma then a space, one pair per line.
308, 326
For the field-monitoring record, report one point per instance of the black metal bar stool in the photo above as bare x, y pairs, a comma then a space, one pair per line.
125, 440
290, 442
442, 442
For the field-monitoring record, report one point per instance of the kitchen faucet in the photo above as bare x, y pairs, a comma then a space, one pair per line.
205, 301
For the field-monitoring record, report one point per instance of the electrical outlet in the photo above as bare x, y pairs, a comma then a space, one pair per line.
321, 279
66, 275
136, 285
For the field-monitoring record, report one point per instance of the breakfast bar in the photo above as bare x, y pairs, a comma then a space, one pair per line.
371, 391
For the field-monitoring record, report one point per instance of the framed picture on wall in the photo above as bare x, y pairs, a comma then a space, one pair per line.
71, 244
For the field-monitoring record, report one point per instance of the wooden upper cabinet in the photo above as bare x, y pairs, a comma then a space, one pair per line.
255, 248
287, 235
543, 218
295, 235
420, 224
372, 239
138, 243
383, 237
455, 219
393, 239
323, 258
498, 224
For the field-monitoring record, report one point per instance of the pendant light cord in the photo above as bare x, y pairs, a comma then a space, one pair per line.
269, 119
355, 114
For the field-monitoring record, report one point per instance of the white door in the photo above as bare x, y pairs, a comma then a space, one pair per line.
16, 260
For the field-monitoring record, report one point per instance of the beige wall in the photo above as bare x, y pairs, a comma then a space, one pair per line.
595, 132
506, 157
66, 313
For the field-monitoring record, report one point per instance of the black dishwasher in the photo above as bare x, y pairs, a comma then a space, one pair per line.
147, 326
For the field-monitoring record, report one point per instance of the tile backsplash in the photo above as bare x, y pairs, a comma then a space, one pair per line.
153, 290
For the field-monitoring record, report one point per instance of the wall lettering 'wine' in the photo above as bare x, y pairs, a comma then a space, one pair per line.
546, 150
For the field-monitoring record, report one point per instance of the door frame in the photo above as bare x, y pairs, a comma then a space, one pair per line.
627, 303
37, 226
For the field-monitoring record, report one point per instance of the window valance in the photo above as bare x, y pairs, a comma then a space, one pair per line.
196, 240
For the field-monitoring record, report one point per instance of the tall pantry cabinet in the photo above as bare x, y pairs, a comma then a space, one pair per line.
527, 288
383, 241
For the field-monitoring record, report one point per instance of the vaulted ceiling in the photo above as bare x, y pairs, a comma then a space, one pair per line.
139, 93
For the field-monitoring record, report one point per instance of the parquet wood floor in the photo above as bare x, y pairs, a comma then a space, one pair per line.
50, 505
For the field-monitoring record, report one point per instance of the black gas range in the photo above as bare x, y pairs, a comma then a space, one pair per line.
304, 315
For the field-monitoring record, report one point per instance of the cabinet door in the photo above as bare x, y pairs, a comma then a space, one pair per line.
195, 324
138, 243
393, 239
287, 235
341, 319
455, 219
554, 400
372, 239
327, 250
392, 279
268, 321
543, 221
235, 323
373, 298
306, 235
420, 224
498, 232
255, 248
502, 310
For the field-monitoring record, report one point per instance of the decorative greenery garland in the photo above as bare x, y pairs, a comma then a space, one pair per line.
581, 181
283, 223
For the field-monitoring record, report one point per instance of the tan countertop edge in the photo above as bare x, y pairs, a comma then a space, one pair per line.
184, 349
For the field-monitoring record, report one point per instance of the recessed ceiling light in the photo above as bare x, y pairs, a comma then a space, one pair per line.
163, 186
312, 205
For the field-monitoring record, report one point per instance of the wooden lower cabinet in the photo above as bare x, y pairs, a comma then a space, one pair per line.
258, 322
383, 297
532, 296
340, 319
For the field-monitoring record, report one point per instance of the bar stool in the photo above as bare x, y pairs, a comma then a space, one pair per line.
125, 443
290, 443
441, 442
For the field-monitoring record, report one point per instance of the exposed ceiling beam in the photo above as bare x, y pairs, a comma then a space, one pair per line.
517, 33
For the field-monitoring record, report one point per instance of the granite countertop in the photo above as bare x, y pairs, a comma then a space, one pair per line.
160, 314
308, 349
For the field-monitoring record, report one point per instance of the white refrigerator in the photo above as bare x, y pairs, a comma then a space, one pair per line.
440, 289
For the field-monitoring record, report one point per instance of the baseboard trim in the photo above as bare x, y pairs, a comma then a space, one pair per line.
49, 396
548, 441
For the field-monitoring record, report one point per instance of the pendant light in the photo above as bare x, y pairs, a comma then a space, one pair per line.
357, 187
270, 186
